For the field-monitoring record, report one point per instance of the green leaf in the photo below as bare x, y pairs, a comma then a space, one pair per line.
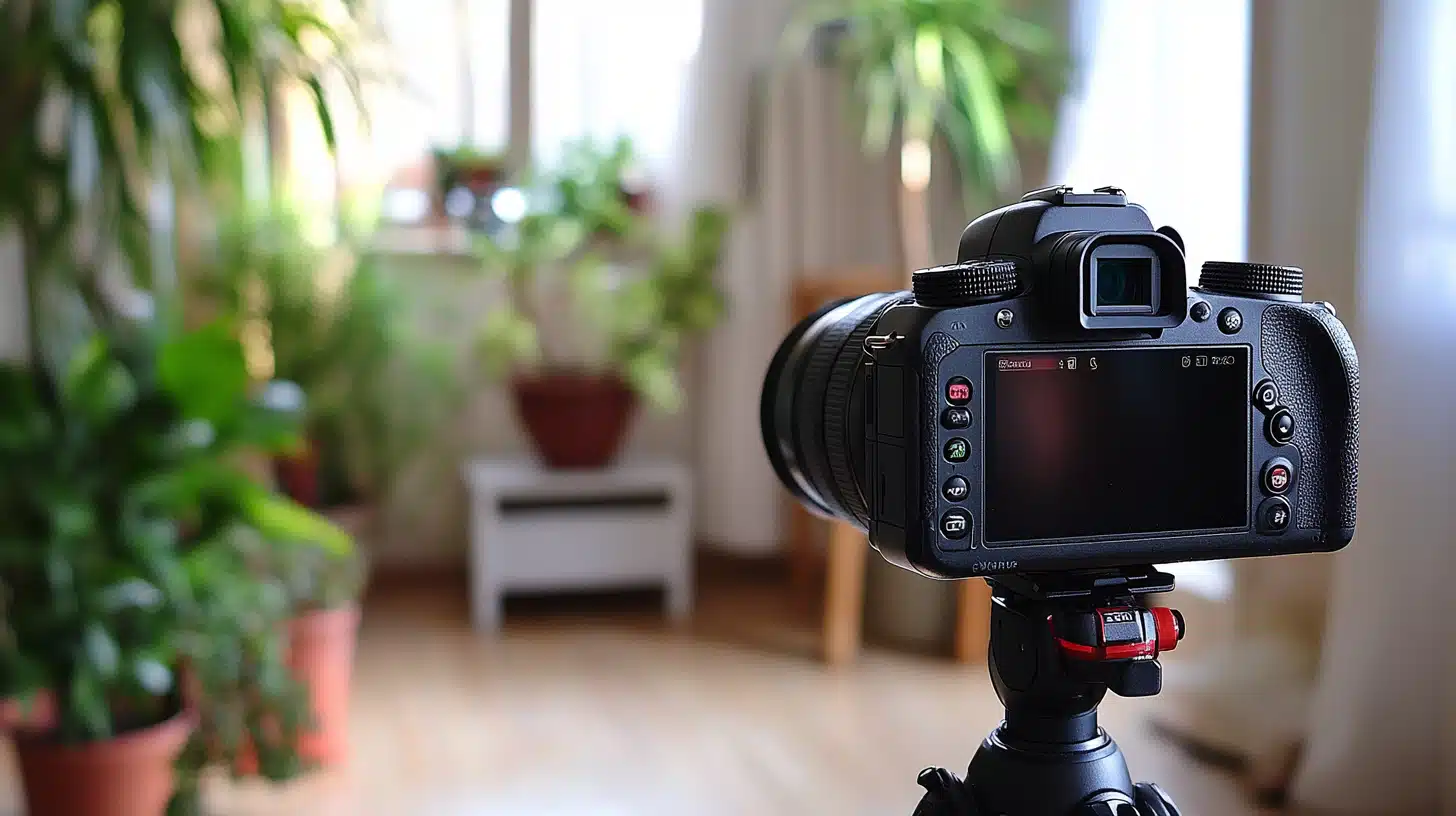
204, 371
654, 376
930, 58
285, 521
152, 676
321, 108
881, 106
88, 710
987, 116
96, 385
101, 651
507, 339
132, 593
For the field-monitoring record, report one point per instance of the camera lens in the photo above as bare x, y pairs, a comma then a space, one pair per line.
811, 411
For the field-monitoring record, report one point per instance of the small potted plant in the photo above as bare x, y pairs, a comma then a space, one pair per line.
582, 339
324, 582
121, 511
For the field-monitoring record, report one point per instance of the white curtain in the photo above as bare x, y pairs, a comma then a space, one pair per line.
1382, 735
1158, 107
605, 69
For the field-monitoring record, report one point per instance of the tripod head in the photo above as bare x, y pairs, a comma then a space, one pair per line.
1059, 643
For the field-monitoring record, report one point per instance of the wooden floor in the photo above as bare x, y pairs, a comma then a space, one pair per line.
593, 707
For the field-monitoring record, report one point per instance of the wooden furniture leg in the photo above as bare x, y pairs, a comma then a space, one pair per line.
803, 559
973, 621
844, 593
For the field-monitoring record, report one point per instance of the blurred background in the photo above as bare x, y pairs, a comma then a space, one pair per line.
379, 413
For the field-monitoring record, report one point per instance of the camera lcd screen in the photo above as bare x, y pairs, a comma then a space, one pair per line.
1090, 443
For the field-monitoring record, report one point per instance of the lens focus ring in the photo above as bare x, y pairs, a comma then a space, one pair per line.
838, 393
813, 422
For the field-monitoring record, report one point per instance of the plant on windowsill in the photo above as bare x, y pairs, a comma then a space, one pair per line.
129, 592
581, 339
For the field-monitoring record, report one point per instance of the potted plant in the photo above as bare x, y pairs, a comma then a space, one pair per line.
983, 74
476, 170
616, 331
121, 512
328, 319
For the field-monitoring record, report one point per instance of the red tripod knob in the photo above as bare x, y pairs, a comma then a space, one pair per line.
1117, 632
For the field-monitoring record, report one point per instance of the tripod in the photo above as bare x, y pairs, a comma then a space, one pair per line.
1059, 642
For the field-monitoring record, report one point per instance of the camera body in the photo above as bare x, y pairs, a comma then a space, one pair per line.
1061, 399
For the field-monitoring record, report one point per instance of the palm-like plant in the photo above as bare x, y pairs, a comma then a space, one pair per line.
974, 71
102, 99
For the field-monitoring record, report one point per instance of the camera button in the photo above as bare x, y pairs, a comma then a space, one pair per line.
1274, 516
1200, 311
957, 450
956, 418
955, 525
1230, 321
1281, 427
958, 391
956, 489
1277, 476
1266, 395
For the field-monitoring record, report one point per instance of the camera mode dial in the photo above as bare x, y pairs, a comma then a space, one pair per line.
965, 283
1256, 280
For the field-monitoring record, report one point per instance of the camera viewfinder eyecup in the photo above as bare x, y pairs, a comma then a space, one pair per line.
1127, 281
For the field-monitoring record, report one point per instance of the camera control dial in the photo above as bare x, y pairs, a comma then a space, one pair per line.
965, 283
1256, 280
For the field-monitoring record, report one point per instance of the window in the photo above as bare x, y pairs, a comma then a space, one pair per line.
453, 60
603, 69
599, 70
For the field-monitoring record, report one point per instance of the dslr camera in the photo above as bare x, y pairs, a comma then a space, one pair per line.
1060, 399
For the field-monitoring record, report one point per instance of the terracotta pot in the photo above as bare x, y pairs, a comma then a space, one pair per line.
38, 715
130, 775
321, 654
576, 420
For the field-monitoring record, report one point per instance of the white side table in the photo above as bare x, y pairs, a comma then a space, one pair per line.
539, 530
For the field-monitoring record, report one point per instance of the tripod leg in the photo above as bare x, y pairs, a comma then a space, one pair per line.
945, 795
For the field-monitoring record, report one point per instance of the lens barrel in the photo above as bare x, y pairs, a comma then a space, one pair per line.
811, 412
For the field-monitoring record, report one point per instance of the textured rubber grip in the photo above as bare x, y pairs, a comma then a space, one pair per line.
1312, 359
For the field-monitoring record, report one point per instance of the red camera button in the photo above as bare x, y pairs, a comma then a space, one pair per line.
958, 391
1277, 477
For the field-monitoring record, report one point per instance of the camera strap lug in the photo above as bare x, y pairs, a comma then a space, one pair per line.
880, 342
